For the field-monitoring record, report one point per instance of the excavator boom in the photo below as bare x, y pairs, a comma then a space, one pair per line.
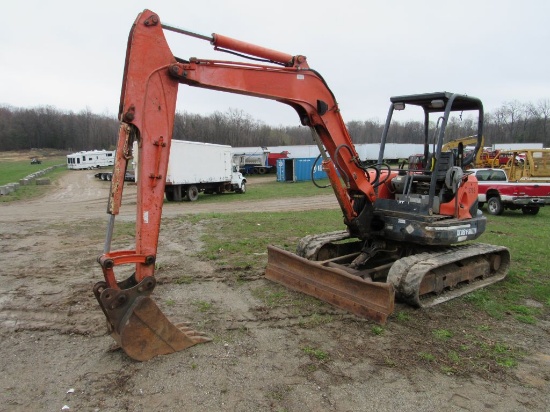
379, 223
147, 108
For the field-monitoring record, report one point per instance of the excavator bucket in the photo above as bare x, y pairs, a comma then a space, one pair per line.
372, 300
138, 325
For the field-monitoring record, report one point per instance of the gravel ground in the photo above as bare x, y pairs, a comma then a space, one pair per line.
287, 358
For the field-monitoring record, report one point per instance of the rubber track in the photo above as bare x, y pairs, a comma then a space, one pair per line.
407, 273
310, 245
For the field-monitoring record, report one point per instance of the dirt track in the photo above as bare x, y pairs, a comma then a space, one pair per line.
80, 196
54, 339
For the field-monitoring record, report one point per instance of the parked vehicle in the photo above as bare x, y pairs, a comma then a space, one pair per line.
35, 161
495, 189
368, 152
531, 165
195, 167
128, 177
273, 157
252, 163
91, 159
259, 161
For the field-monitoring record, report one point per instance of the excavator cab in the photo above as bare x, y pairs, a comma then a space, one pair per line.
436, 188
442, 105
435, 176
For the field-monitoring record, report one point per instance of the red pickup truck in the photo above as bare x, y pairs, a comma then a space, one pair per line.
499, 193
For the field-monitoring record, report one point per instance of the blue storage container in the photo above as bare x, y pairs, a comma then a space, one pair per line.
299, 169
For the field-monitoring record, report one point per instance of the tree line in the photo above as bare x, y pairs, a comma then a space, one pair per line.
48, 127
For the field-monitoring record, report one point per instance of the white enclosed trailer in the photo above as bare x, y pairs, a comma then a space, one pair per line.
90, 159
366, 151
516, 146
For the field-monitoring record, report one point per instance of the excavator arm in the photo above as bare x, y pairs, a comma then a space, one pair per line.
147, 109
152, 75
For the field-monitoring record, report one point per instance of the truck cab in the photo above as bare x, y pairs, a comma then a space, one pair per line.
238, 181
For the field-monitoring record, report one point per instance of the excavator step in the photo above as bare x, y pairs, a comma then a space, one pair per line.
364, 298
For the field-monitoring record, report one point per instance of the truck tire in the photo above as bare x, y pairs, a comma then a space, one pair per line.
192, 193
169, 195
530, 210
242, 189
494, 206
262, 170
173, 193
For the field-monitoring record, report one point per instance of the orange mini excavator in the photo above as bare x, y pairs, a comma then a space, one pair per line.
404, 228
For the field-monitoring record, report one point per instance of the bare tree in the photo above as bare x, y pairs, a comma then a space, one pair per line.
25, 128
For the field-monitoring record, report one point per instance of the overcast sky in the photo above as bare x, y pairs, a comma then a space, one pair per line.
70, 54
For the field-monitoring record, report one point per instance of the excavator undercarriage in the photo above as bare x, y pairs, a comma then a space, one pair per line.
325, 266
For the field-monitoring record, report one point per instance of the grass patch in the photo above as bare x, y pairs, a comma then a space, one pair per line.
442, 334
472, 350
454, 356
503, 355
402, 316
32, 190
428, 357
14, 167
377, 330
316, 353
448, 370
12, 170
315, 320
184, 280
270, 297
526, 238
202, 305
240, 240
303, 306
268, 190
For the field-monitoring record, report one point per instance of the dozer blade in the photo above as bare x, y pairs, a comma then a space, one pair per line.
364, 298
138, 325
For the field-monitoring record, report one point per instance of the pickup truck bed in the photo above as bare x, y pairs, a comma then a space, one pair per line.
499, 193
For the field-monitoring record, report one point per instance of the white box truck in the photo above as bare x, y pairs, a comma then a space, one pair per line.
196, 167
